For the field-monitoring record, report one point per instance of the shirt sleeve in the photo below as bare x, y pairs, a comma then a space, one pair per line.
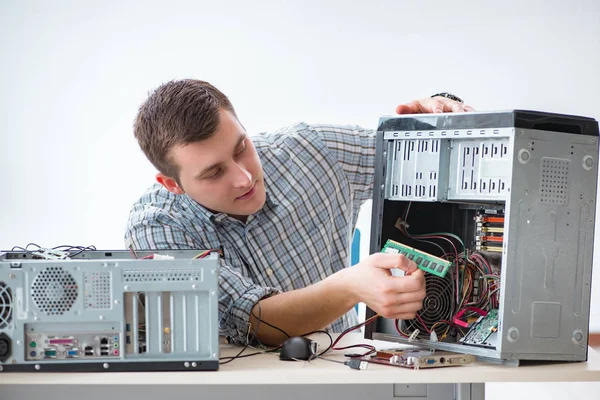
354, 148
237, 293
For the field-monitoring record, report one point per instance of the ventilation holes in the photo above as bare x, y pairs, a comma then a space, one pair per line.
54, 291
162, 275
5, 305
97, 290
554, 186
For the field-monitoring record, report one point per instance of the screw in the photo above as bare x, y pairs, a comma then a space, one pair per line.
12, 276
37, 367
186, 364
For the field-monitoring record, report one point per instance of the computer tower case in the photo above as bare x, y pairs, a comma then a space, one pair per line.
510, 198
109, 311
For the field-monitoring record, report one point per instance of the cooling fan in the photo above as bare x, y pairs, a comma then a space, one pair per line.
54, 291
5, 305
438, 305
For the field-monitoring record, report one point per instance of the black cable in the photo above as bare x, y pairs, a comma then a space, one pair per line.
329, 347
329, 359
268, 324
406, 225
354, 364
369, 347
255, 335
81, 250
64, 247
32, 244
248, 340
19, 248
330, 341
238, 355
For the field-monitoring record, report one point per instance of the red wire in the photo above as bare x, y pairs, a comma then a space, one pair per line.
363, 345
398, 328
455, 253
423, 323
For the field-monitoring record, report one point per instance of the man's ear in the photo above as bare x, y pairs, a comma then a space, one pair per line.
169, 183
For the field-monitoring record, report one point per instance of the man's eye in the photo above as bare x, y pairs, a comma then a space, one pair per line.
243, 149
215, 174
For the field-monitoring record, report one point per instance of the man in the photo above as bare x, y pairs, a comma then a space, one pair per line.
282, 206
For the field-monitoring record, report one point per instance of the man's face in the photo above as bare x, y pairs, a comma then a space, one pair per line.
223, 173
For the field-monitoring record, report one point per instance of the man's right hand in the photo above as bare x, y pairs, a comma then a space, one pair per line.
395, 297
318, 305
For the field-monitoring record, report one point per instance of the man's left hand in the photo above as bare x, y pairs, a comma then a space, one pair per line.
436, 104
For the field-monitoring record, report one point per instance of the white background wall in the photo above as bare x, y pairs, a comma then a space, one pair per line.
74, 72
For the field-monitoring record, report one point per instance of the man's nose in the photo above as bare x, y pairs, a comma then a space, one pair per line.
243, 177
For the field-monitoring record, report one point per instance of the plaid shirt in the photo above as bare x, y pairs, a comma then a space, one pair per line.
316, 179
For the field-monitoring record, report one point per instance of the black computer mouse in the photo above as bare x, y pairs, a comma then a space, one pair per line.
298, 348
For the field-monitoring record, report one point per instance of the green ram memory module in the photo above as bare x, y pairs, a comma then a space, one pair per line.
424, 261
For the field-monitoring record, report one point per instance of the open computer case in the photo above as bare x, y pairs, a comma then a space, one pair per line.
509, 198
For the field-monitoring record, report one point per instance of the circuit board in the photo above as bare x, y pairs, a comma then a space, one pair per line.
417, 359
482, 330
424, 261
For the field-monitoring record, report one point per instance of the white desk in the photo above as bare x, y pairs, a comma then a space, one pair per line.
288, 379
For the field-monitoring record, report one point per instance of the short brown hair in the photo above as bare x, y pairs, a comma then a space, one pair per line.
178, 113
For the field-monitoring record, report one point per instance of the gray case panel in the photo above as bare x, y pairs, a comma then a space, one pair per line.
545, 182
104, 308
548, 268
